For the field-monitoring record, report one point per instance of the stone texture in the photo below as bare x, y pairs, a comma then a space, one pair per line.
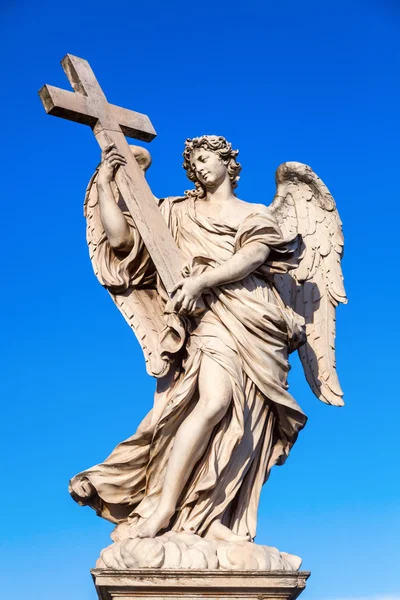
211, 585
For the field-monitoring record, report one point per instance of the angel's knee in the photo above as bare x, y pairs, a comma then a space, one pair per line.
215, 392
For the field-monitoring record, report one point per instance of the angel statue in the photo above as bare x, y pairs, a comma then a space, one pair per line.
259, 283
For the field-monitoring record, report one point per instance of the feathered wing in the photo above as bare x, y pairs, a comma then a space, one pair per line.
143, 307
304, 205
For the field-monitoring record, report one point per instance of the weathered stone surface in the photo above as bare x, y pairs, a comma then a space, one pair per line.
211, 585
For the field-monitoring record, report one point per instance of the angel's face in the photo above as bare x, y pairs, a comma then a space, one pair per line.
208, 167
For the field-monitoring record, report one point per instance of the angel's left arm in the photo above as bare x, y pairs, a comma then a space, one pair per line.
245, 260
242, 263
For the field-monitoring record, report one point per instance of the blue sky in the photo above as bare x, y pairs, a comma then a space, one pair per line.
316, 82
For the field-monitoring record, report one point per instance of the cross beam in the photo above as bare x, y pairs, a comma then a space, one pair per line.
110, 124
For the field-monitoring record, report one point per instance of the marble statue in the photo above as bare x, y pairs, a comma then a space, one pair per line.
259, 283
254, 284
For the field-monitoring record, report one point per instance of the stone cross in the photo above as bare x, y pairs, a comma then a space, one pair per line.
110, 124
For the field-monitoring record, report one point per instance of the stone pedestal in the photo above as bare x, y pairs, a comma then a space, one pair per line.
157, 584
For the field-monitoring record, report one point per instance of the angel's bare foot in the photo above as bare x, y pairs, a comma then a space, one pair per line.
157, 521
220, 532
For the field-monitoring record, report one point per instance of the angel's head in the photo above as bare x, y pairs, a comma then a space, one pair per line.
208, 160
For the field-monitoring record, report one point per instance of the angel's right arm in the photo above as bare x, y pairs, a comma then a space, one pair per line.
115, 225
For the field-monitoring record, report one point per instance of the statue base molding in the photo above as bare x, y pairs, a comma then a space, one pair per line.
156, 584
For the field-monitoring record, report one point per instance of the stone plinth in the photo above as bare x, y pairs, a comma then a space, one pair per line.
157, 584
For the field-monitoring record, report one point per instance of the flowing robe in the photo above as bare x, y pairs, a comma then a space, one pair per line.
247, 329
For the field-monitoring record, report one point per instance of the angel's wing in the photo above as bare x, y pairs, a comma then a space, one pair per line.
304, 205
142, 307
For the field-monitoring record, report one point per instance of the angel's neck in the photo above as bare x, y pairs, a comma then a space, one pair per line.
220, 193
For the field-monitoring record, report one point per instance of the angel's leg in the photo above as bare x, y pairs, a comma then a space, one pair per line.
191, 440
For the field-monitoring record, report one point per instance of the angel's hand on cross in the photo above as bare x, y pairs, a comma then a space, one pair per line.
186, 293
111, 159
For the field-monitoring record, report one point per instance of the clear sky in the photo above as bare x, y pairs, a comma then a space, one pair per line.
317, 82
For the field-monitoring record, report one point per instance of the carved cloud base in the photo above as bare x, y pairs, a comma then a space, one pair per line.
191, 552
157, 584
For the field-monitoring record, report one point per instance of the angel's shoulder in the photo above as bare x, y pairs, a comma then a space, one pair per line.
251, 211
261, 209
245, 209
171, 200
171, 205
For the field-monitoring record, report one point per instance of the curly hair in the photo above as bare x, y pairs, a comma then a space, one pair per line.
221, 147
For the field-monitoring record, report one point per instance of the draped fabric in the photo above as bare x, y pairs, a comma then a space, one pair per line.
247, 329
